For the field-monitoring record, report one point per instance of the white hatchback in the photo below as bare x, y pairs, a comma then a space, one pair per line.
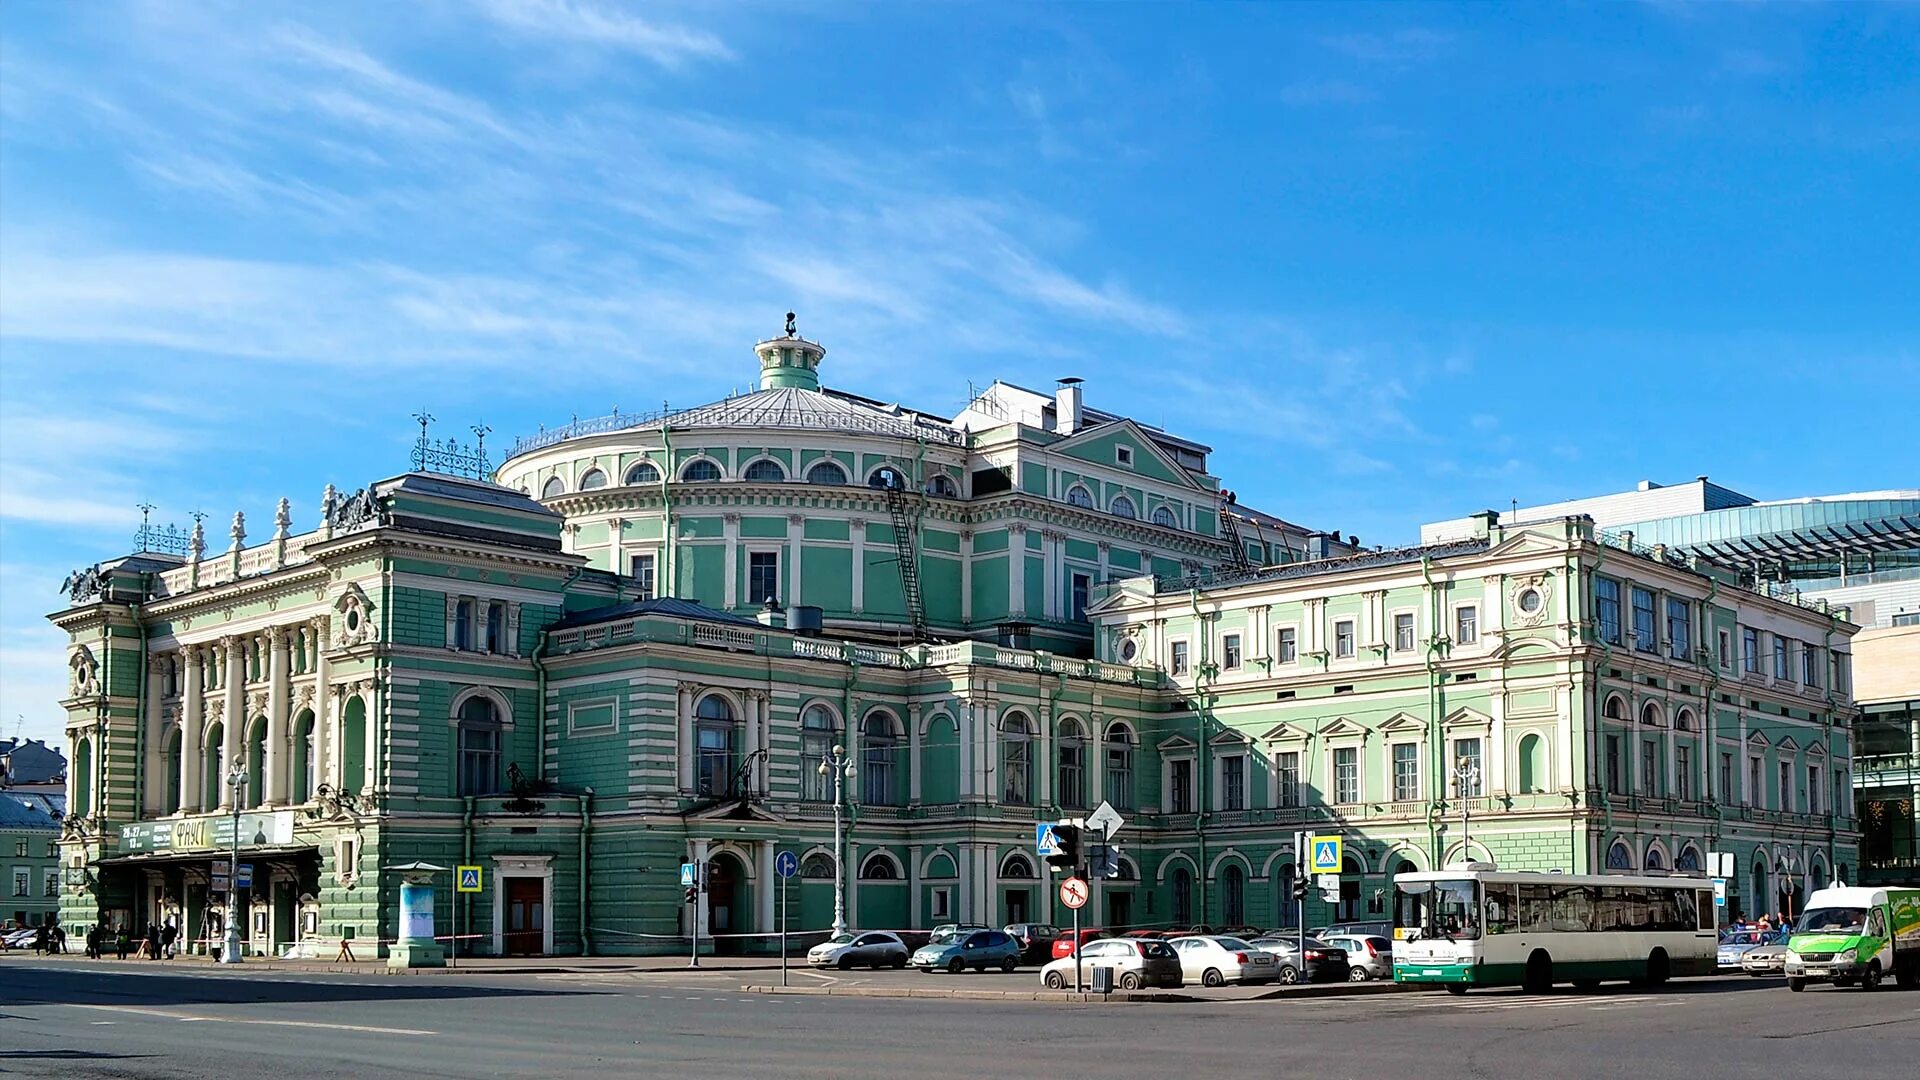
1215, 960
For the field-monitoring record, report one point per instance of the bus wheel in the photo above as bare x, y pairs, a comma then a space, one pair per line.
1539, 978
1796, 985
1657, 968
1457, 989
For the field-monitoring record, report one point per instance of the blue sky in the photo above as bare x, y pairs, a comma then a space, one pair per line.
1395, 262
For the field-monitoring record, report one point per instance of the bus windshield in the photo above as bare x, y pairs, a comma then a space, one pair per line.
1437, 909
1832, 920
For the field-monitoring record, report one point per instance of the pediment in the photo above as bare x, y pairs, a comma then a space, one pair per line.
1344, 727
1467, 718
1400, 723
735, 810
1286, 733
1758, 738
1175, 743
1787, 743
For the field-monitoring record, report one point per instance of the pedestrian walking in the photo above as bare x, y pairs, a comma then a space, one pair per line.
59, 939
41, 941
93, 942
121, 941
169, 934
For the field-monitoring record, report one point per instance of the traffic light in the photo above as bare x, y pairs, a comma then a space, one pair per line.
1066, 839
1300, 888
693, 895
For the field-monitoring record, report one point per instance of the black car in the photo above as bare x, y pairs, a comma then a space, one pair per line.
1036, 939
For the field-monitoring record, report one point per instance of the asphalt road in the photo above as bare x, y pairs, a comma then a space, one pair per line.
74, 1021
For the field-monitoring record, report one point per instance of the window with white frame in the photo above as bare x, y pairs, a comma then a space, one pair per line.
1606, 597
1786, 786
1466, 624
1683, 772
818, 733
1809, 664
1343, 638
1468, 768
1780, 670
1177, 664
1071, 791
1119, 790
1123, 455
22, 881
716, 739
643, 565
1165, 516
1649, 768
1615, 782
1679, 628
940, 902
699, 470
463, 624
1122, 507
497, 626
765, 471
1079, 496
1813, 789
1726, 651
1230, 652
1079, 593
50, 882
1644, 637
1346, 775
1287, 647
826, 472
1403, 632
1406, 771
1750, 649
553, 488
880, 755
1016, 759
763, 576
643, 472
592, 480
479, 736
1286, 766
1180, 786
1726, 775
941, 486
1233, 782
1756, 791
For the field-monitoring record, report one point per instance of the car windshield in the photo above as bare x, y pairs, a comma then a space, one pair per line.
1233, 943
944, 937
840, 939
1437, 909
1741, 937
1833, 920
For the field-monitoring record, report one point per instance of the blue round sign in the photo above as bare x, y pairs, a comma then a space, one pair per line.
786, 864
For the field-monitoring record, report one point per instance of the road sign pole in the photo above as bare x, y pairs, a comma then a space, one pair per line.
1299, 845
693, 917
1077, 988
783, 930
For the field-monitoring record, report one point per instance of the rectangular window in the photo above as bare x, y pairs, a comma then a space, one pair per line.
1469, 778
1346, 775
1180, 791
479, 760
1230, 652
1403, 633
1810, 664
1750, 649
1649, 768
1606, 595
1406, 772
463, 624
1123, 455
1726, 776
1786, 786
1683, 772
1613, 766
1120, 775
1643, 632
643, 574
1288, 649
22, 881
1343, 638
1780, 657
1726, 651
1179, 662
763, 576
1679, 628
1813, 789
942, 900
20, 849
496, 627
1233, 782
1073, 773
1466, 625
1081, 590
1756, 793
1287, 766
50, 882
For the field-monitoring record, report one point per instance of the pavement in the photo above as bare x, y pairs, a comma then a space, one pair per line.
86, 1021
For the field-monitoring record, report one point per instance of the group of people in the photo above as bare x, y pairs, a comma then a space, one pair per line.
1781, 924
160, 941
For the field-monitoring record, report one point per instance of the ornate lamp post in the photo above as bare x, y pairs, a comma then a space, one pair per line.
1466, 779
840, 767
230, 947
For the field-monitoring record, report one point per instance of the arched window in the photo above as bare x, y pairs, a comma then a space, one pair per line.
1684, 720
1017, 868
1182, 897
643, 472
257, 762
817, 867
700, 469
1016, 759
1123, 508
1689, 859
714, 731
888, 478
1079, 496
592, 478
941, 486
766, 471
826, 472
1072, 788
818, 731
879, 781
1618, 857
172, 804
83, 778
1650, 714
303, 762
879, 867
553, 488
1615, 709
1233, 895
1164, 516
1655, 860
1120, 743
213, 765
1287, 907
479, 739
1533, 763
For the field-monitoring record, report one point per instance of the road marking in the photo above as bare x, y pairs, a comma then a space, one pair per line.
165, 1014
105, 1023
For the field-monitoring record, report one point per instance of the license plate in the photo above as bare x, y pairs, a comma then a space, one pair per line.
1430, 971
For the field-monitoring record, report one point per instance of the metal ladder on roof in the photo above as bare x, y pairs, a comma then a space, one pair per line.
903, 546
1238, 559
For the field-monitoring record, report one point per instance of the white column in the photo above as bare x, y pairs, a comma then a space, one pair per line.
857, 533
913, 758
277, 757
700, 858
376, 765
1050, 555
325, 719
730, 588
1096, 765
915, 906
756, 701
192, 713
233, 752
769, 889
853, 881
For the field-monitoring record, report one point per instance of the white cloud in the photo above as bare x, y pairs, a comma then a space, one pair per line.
592, 24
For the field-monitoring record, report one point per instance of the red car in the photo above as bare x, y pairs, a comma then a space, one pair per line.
1064, 945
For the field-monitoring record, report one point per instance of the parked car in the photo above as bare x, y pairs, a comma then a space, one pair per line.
21, 938
1036, 939
955, 927
1215, 960
1735, 943
1136, 963
1369, 956
1762, 960
1373, 928
1323, 963
1150, 935
1064, 942
874, 948
977, 949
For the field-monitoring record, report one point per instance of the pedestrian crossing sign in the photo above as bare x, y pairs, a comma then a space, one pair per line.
1326, 854
467, 879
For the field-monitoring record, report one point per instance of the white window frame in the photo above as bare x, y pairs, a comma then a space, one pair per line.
1220, 790
1289, 628
1123, 455
1477, 631
1239, 646
1353, 638
1185, 668
1393, 775
1359, 774
650, 553
1413, 629
1167, 762
748, 551
940, 902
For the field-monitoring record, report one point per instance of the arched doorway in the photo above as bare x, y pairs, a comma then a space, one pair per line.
728, 910
1182, 897
1350, 873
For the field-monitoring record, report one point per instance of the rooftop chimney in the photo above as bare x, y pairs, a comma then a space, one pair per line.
1066, 407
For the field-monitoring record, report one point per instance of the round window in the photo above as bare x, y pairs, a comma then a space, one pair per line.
1531, 601
1128, 650
353, 618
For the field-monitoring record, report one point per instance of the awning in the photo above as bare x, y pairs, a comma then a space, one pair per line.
282, 853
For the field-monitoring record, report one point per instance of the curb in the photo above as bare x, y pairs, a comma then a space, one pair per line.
1119, 997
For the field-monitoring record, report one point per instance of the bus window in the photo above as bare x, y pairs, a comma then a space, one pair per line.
1503, 908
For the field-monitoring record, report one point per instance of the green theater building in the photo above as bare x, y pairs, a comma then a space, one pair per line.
632, 644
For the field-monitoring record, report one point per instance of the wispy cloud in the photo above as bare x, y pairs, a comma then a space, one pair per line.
591, 24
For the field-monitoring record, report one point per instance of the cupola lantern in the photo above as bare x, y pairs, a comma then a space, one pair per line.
790, 361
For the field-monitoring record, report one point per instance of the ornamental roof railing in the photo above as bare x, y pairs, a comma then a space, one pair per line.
750, 410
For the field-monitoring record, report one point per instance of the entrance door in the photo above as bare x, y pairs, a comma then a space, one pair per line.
722, 881
1119, 910
526, 923
1016, 906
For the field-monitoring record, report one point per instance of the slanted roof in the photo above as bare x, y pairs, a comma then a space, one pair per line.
15, 814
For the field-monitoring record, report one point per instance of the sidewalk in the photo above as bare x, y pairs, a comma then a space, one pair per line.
485, 965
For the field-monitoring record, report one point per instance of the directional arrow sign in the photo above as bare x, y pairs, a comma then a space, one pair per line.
786, 864
1106, 821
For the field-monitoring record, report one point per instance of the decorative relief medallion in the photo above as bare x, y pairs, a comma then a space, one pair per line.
1528, 599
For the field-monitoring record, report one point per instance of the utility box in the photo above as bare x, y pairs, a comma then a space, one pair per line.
1103, 980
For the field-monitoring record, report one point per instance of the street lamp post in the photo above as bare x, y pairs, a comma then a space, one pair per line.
1466, 779
230, 947
839, 766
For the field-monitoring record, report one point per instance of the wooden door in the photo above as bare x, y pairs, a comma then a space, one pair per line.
526, 916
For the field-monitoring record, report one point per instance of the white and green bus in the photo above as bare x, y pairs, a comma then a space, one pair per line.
1475, 925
